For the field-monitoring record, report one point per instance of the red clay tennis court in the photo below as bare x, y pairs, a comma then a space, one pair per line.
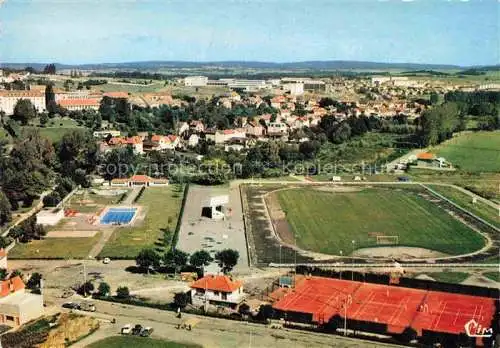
395, 307
321, 297
448, 313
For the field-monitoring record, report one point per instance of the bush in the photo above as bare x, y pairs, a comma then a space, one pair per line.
51, 200
122, 292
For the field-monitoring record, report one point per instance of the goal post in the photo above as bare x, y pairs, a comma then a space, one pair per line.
387, 240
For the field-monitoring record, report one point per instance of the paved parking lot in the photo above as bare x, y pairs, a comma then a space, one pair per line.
199, 232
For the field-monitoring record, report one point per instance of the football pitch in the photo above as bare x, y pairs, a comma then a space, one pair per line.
328, 222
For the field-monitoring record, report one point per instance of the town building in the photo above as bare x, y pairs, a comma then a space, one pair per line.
80, 104
195, 81
9, 99
139, 180
217, 290
16, 305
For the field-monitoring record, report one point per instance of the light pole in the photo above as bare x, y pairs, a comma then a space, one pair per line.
340, 252
352, 270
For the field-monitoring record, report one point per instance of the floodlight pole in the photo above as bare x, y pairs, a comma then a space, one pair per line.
352, 270
340, 266
345, 317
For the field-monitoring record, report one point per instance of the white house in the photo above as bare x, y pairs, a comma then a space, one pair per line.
16, 306
195, 81
9, 99
217, 290
227, 134
165, 142
139, 180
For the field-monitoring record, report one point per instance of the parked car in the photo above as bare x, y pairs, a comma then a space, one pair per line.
403, 179
126, 329
137, 329
147, 331
106, 260
70, 305
87, 306
67, 293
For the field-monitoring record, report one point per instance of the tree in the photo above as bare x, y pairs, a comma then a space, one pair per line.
103, 289
181, 299
44, 118
35, 281
244, 309
50, 69
122, 292
51, 200
227, 259
5, 208
24, 111
200, 258
434, 98
175, 259
3, 273
342, 133
50, 99
147, 259
86, 288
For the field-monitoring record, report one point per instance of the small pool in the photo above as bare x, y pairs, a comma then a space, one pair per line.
119, 216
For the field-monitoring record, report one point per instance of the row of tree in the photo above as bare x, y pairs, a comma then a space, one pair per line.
176, 260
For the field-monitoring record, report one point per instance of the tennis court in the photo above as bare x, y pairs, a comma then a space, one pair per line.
392, 308
118, 216
448, 313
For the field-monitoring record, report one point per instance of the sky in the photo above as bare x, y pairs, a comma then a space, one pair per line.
457, 32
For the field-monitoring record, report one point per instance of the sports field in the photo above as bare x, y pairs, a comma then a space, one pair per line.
328, 222
161, 206
473, 152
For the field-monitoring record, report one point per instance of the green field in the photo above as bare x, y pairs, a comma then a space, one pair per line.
327, 222
138, 342
449, 277
55, 248
162, 205
55, 128
495, 276
472, 152
479, 208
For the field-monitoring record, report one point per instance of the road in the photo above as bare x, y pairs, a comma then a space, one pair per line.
212, 332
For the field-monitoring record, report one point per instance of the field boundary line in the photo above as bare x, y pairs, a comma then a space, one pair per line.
175, 236
461, 208
244, 207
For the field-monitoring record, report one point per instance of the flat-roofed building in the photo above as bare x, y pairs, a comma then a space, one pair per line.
16, 306
9, 99
195, 81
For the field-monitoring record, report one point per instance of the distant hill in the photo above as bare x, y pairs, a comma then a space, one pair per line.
306, 65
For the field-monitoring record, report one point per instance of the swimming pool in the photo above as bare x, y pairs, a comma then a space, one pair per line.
118, 216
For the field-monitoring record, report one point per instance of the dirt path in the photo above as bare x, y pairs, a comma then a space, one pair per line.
131, 196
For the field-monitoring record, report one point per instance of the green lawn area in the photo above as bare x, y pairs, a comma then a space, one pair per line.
449, 277
482, 210
56, 127
327, 222
162, 205
138, 342
495, 276
53, 248
96, 202
472, 152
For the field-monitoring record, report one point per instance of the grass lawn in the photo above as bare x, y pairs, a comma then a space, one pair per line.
327, 222
54, 248
473, 152
138, 342
482, 210
98, 202
162, 206
449, 277
495, 276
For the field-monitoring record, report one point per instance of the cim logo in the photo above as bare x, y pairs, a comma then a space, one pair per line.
474, 329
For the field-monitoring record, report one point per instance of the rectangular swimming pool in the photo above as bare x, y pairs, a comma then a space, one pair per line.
118, 216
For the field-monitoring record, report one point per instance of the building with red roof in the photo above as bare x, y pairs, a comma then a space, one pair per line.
80, 104
16, 305
139, 180
217, 290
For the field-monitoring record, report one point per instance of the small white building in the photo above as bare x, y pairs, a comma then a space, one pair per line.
139, 180
193, 140
16, 306
296, 88
217, 290
195, 81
